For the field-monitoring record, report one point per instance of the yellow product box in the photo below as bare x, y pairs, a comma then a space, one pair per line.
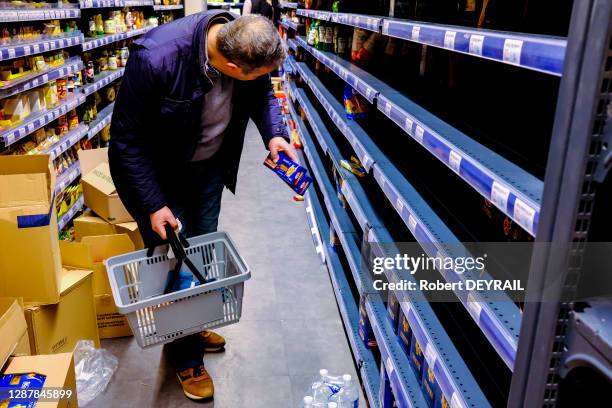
28, 227
58, 373
13, 329
57, 328
98, 187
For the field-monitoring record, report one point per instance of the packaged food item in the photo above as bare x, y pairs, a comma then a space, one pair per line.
393, 307
290, 172
73, 119
21, 381
354, 166
62, 91
365, 328
112, 62
355, 106
404, 332
416, 358
430, 387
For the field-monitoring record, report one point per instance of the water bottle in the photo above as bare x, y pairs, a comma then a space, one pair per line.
325, 387
348, 397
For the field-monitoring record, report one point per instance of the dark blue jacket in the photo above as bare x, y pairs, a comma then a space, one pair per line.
156, 120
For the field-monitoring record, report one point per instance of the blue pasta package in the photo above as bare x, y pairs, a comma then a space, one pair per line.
290, 172
12, 386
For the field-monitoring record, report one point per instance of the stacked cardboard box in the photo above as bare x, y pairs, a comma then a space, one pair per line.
90, 253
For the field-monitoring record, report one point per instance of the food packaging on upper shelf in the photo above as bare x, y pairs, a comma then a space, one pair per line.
393, 309
17, 107
416, 358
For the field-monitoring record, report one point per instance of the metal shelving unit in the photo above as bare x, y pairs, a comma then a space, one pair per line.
542, 344
71, 66
8, 52
15, 15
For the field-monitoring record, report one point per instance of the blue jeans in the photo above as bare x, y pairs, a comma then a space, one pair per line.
196, 202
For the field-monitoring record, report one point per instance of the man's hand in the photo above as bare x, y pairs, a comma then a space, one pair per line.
279, 144
160, 218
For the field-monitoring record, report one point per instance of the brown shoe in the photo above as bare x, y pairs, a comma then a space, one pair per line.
197, 384
211, 341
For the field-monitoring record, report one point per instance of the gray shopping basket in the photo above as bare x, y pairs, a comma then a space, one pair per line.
138, 283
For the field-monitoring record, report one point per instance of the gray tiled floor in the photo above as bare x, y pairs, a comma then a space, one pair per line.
290, 325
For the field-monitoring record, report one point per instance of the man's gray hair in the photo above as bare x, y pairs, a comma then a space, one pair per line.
251, 42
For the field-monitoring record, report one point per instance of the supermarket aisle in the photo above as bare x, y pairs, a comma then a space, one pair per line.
290, 325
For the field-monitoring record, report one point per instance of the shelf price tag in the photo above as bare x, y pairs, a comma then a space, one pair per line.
499, 195
416, 32
385, 27
399, 205
476, 43
473, 306
454, 160
430, 356
412, 223
449, 39
387, 108
11, 53
456, 402
408, 125
419, 133
512, 51
524, 214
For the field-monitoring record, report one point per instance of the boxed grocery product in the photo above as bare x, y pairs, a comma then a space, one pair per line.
393, 307
429, 385
294, 175
54, 372
90, 224
90, 253
17, 107
57, 328
28, 227
13, 328
416, 358
386, 397
365, 328
404, 332
98, 187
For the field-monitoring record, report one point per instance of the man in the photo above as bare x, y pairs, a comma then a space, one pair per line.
177, 132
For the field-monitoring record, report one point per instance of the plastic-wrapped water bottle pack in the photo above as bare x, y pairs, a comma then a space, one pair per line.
328, 391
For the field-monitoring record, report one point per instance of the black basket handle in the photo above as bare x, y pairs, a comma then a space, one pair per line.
178, 243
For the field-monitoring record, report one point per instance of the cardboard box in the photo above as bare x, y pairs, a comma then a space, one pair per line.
13, 328
98, 187
90, 253
29, 254
90, 224
132, 231
110, 323
59, 372
57, 328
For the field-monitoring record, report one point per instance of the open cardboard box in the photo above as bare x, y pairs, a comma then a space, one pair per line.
28, 226
90, 253
13, 329
90, 224
98, 187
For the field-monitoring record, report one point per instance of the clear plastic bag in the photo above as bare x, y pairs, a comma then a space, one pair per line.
94, 369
